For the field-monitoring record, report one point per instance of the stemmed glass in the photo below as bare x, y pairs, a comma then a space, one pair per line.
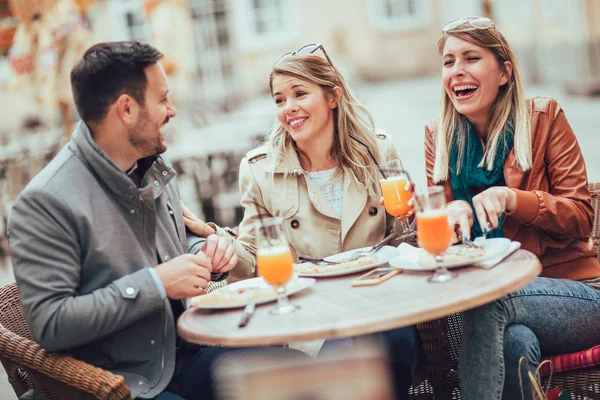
395, 194
433, 231
275, 262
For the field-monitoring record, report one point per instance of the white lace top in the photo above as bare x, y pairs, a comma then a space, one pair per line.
333, 190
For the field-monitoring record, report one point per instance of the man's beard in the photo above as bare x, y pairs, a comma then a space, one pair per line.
139, 139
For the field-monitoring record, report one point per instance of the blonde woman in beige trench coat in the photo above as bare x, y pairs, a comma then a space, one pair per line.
320, 180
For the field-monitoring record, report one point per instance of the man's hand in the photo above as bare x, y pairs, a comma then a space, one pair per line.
195, 224
220, 252
460, 214
185, 276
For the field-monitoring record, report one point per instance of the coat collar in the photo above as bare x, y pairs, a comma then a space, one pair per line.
277, 165
355, 194
355, 198
122, 187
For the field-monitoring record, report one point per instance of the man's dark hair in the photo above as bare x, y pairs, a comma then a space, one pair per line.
108, 70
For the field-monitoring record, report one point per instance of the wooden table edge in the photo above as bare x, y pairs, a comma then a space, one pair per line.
359, 330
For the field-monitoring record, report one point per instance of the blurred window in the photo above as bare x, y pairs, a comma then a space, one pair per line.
268, 16
260, 25
399, 14
217, 87
400, 8
128, 21
137, 26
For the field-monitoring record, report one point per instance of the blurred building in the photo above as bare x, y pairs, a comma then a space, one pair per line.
237, 41
556, 40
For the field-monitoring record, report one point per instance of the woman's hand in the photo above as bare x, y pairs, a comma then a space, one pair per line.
460, 214
410, 186
195, 224
493, 202
220, 253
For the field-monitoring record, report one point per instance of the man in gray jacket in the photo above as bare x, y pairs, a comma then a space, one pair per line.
100, 251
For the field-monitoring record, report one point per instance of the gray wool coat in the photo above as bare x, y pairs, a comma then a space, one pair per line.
83, 237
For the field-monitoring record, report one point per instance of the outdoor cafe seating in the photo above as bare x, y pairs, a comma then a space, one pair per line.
61, 377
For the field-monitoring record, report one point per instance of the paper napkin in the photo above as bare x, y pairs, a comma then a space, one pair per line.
492, 262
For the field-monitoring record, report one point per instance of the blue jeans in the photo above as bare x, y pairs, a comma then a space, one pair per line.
548, 316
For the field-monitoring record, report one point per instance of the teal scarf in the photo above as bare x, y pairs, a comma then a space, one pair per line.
473, 179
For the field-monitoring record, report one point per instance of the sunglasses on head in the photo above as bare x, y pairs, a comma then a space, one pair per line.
305, 50
475, 22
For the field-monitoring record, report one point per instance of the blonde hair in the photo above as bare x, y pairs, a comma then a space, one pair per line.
510, 105
350, 118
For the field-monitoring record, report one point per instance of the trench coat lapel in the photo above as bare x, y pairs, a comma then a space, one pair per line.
355, 198
296, 173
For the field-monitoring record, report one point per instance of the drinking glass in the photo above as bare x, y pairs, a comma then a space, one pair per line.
395, 194
275, 260
433, 230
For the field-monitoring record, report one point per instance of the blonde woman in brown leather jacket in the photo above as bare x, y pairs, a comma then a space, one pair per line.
512, 167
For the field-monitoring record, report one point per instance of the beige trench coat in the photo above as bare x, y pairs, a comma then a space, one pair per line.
311, 225
310, 222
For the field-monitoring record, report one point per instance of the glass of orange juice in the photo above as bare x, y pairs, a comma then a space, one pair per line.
397, 192
434, 233
275, 262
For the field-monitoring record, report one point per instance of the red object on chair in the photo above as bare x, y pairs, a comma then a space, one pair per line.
571, 361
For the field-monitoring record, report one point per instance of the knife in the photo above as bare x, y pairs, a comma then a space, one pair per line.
247, 314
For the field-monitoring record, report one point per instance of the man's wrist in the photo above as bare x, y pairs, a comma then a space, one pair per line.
158, 281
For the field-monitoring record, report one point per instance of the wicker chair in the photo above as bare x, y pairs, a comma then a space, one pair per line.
54, 377
441, 341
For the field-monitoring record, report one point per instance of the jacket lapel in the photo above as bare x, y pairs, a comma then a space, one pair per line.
355, 198
286, 201
512, 173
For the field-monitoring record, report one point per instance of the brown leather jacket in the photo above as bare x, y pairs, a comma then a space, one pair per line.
553, 218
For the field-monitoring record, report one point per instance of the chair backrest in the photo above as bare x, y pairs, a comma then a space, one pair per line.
12, 318
595, 192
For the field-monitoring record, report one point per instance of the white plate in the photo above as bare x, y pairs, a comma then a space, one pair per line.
384, 254
492, 249
229, 296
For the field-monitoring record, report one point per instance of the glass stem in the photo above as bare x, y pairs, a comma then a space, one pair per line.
438, 265
438, 261
282, 299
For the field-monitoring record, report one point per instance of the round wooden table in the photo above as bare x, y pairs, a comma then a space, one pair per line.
332, 308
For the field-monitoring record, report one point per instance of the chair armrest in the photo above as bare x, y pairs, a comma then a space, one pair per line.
100, 383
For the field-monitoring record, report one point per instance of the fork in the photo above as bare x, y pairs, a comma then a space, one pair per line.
459, 235
480, 241
316, 260
375, 248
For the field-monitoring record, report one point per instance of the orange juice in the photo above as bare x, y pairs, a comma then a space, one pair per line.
433, 232
395, 198
275, 264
